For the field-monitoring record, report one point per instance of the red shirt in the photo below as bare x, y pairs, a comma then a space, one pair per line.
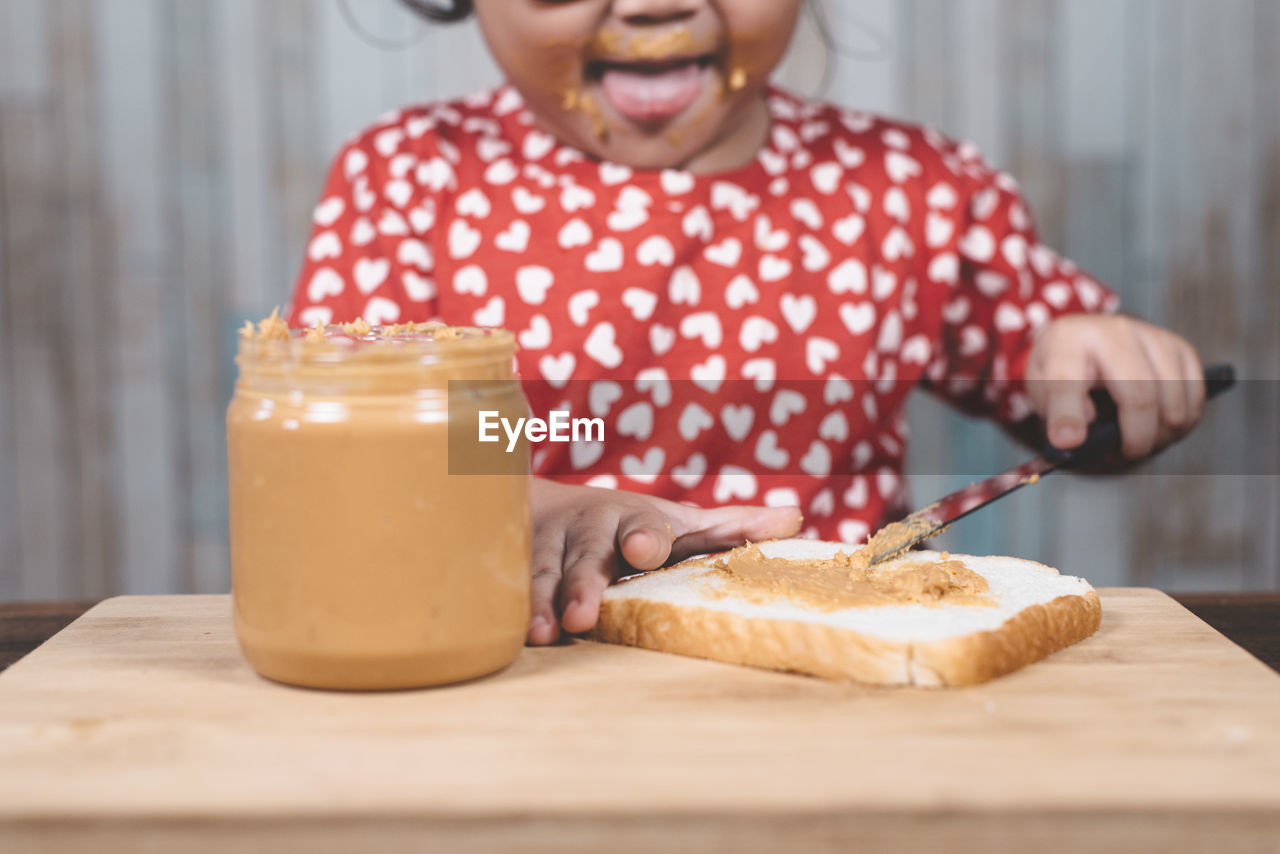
749, 336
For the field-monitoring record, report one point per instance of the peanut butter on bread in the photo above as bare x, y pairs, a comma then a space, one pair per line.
847, 580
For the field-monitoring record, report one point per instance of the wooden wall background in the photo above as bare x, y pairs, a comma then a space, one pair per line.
158, 160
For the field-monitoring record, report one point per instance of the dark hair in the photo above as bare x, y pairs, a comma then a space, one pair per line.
446, 12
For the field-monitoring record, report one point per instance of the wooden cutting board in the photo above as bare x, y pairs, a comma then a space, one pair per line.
141, 726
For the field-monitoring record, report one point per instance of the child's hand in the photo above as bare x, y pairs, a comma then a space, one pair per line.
1154, 376
584, 538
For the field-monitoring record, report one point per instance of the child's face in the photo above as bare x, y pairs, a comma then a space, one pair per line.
649, 83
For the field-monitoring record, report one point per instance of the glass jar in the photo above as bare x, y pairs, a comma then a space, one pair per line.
358, 560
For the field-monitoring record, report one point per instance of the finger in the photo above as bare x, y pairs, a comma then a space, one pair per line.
590, 566
727, 527
1193, 372
1162, 354
1128, 376
1067, 412
548, 554
644, 538
1059, 390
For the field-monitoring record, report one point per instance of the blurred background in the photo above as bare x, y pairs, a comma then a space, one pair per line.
159, 160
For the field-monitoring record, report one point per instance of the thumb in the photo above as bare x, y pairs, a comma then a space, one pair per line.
723, 528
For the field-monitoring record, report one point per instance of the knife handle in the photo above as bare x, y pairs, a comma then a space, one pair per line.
1103, 438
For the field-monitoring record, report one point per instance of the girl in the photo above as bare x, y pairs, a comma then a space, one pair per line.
744, 284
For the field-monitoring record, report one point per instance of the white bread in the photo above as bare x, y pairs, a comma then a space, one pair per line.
684, 609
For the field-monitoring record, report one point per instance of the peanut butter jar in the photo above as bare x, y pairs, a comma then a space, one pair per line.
358, 560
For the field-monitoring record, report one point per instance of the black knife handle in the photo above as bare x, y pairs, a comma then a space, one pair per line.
1103, 438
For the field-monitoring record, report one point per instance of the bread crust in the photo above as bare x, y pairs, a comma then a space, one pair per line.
833, 653
1028, 636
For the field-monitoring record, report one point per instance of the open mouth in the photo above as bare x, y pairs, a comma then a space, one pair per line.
651, 91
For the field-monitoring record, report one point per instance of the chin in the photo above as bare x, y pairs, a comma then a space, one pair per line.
650, 154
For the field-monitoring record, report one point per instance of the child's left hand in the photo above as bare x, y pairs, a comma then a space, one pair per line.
1154, 376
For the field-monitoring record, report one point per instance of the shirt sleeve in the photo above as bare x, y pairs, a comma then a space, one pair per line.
1002, 286
369, 254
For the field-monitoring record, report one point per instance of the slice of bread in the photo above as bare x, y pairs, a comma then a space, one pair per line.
1030, 612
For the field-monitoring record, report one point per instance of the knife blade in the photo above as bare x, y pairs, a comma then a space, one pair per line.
1102, 440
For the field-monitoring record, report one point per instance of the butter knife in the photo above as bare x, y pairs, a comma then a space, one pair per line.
1103, 439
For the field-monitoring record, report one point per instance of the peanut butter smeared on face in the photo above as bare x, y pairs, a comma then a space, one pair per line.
846, 580
645, 46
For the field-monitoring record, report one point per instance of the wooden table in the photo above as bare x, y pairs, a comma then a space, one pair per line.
1250, 619
1156, 735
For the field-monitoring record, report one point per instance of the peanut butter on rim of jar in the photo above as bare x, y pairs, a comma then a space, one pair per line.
358, 561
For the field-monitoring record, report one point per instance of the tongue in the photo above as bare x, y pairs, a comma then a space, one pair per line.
649, 96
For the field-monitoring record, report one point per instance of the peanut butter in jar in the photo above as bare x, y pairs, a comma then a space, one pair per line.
358, 560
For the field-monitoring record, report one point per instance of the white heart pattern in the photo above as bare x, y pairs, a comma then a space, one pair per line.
820, 352
636, 421
526, 202
799, 311
848, 277
661, 339
580, 305
783, 496
641, 303
324, 246
786, 403
843, 250
741, 292
768, 454
816, 256
655, 383
601, 345
644, 469
762, 372
834, 427
693, 421
773, 268
532, 283
734, 483
418, 288
607, 257
324, 283
463, 240
515, 238
538, 335
690, 474
557, 370
602, 396
380, 310
737, 420
756, 332
726, 253
575, 233
470, 280
684, 288
493, 313
709, 375
703, 325
656, 250
328, 211
837, 390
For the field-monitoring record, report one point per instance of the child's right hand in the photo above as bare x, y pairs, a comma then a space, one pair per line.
584, 538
